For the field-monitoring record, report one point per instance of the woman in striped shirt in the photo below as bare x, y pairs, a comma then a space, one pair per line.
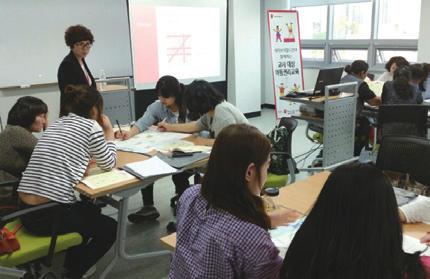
56, 166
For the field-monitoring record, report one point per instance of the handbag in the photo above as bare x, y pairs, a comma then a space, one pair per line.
8, 241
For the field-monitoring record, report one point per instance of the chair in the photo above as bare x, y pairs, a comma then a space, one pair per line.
406, 154
402, 120
35, 250
277, 181
8, 193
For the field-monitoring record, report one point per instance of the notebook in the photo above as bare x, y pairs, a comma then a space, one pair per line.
151, 167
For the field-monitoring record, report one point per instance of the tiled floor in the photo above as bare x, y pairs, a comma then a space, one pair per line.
145, 237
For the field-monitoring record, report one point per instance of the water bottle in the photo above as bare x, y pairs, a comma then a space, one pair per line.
102, 77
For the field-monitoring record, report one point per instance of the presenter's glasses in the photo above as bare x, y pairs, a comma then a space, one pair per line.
84, 44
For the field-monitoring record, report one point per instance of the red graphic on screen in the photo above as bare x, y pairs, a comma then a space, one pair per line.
145, 38
181, 50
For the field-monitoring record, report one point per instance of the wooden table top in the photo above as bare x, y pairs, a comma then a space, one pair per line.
301, 196
124, 158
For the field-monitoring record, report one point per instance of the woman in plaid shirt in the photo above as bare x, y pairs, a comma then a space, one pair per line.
222, 225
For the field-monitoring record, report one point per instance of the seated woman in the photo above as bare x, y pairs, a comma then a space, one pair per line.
394, 63
57, 164
415, 212
357, 72
353, 231
425, 84
202, 98
169, 108
222, 224
27, 116
400, 90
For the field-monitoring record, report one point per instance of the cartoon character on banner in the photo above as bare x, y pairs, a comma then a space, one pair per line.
281, 89
295, 88
290, 35
278, 34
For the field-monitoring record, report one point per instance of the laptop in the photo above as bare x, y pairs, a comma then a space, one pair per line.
325, 77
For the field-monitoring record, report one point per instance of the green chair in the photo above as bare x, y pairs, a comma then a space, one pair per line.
280, 180
35, 250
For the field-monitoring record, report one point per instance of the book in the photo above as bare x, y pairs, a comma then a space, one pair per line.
106, 179
151, 167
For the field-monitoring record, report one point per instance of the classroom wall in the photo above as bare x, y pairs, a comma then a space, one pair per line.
49, 94
424, 37
244, 55
244, 65
267, 96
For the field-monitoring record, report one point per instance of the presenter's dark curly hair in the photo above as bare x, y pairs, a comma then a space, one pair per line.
77, 33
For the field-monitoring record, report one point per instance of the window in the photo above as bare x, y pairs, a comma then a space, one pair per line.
352, 21
316, 55
348, 55
399, 19
341, 31
382, 56
313, 22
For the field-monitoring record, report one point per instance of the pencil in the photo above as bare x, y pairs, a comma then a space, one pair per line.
117, 122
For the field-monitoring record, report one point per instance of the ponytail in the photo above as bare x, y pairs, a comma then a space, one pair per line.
348, 69
357, 67
80, 100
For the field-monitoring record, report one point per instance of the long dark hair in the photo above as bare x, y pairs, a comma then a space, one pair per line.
24, 111
169, 86
201, 97
353, 231
224, 186
80, 100
401, 79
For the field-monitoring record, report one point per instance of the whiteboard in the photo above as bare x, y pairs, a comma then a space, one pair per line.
32, 38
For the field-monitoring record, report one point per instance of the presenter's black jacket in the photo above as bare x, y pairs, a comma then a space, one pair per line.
70, 72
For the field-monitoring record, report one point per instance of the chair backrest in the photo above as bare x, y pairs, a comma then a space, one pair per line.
402, 120
291, 125
406, 154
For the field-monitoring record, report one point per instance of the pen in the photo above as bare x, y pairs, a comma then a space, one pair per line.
117, 122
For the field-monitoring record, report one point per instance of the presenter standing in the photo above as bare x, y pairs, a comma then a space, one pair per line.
73, 70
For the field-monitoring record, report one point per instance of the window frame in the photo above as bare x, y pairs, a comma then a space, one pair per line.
372, 44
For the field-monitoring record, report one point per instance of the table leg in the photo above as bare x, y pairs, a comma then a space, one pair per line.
119, 249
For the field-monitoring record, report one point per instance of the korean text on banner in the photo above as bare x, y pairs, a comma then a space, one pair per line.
286, 56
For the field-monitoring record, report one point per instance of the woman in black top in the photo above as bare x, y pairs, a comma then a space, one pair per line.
73, 70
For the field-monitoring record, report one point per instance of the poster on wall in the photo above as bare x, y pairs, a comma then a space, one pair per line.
287, 70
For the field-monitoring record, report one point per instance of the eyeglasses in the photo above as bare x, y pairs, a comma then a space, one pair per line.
84, 44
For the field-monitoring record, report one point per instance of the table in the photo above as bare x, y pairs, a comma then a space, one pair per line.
301, 196
125, 191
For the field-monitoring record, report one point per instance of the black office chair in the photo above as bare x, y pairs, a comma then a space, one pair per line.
402, 120
406, 154
8, 193
280, 179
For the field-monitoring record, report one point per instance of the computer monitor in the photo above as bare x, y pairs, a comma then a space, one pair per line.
327, 77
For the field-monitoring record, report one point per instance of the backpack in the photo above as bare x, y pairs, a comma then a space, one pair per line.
278, 162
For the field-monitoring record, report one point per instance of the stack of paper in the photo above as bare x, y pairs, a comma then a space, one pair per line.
412, 245
376, 87
106, 179
151, 167
283, 235
187, 146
